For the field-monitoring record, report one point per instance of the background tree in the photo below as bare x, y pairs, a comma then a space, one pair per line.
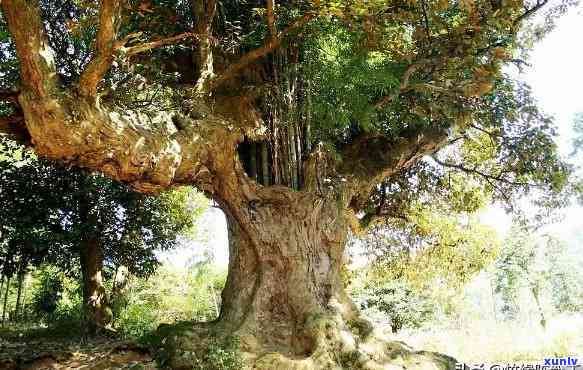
564, 281
81, 222
537, 264
291, 116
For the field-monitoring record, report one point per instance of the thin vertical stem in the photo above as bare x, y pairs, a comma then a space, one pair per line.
5, 300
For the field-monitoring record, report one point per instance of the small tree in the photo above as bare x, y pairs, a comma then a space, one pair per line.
537, 263
403, 306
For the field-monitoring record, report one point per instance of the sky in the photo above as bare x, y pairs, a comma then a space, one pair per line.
556, 77
213, 238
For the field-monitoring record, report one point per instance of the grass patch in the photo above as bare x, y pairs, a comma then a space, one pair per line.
499, 342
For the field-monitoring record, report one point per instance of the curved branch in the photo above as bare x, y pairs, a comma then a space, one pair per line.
109, 20
37, 65
150, 153
255, 54
372, 158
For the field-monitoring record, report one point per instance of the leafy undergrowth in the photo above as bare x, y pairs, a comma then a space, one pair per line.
40, 349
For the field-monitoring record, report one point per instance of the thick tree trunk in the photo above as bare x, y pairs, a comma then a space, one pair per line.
284, 270
284, 298
96, 306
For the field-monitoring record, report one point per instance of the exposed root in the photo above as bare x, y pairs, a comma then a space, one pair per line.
337, 345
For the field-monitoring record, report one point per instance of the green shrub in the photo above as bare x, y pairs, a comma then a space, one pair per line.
47, 293
221, 356
404, 307
137, 320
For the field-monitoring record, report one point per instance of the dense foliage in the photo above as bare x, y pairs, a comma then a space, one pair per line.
51, 210
48, 208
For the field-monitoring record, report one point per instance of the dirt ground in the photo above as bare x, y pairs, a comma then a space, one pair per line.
93, 354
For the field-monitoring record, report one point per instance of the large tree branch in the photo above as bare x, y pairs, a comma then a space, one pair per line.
203, 12
109, 20
372, 158
148, 152
247, 59
37, 65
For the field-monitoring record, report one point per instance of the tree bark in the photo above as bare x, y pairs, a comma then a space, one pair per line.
203, 12
284, 296
285, 267
284, 292
96, 305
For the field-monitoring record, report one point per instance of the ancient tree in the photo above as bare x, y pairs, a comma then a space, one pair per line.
295, 117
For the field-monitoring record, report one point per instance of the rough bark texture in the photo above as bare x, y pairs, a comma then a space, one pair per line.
285, 267
284, 297
97, 312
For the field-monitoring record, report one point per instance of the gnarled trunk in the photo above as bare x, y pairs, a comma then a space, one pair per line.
284, 298
284, 270
97, 312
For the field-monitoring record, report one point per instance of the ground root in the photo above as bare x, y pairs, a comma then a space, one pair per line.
336, 346
355, 346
